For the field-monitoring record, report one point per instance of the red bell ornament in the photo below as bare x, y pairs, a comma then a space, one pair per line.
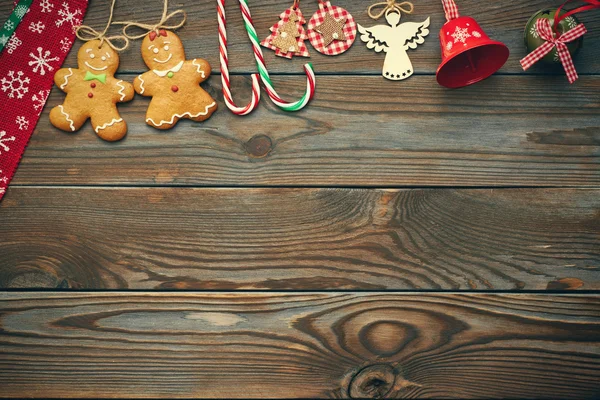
468, 54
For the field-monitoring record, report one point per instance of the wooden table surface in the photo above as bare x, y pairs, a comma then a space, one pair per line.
393, 239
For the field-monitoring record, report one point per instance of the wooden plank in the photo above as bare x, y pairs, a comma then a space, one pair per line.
510, 130
307, 239
503, 20
310, 345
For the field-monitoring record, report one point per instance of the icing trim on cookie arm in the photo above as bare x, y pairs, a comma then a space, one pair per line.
67, 117
106, 125
121, 91
141, 84
198, 68
185, 114
67, 78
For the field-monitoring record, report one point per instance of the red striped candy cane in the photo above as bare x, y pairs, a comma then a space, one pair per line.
225, 69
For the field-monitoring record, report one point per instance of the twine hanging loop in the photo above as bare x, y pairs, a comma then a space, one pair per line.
389, 6
157, 28
87, 33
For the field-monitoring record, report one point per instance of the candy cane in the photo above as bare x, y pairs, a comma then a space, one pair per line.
264, 74
225, 69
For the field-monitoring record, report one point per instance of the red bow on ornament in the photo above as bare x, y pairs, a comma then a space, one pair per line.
560, 42
153, 34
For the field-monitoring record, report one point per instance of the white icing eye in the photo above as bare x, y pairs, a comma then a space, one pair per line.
155, 50
166, 48
103, 58
92, 55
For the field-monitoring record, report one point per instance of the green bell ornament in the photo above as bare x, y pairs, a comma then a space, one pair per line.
553, 35
533, 39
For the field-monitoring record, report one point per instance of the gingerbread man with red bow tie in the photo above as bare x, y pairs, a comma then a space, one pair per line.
173, 82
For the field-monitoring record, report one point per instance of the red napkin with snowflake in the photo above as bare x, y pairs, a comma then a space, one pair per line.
32, 54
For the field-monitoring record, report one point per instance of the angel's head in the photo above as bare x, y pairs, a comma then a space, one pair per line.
392, 16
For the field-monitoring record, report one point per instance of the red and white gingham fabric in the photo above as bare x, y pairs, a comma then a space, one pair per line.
450, 9
283, 18
337, 46
544, 29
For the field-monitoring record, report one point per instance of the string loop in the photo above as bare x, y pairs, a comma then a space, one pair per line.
389, 6
162, 23
87, 33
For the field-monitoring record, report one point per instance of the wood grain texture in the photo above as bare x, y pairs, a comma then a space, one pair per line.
310, 345
508, 130
503, 20
308, 239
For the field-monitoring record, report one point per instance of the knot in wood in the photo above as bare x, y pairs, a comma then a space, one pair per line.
373, 382
259, 146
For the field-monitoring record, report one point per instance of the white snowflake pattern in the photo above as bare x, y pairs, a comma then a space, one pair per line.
41, 61
3, 40
461, 35
39, 99
69, 16
449, 46
533, 32
15, 84
3, 183
21, 10
12, 44
37, 27
476, 34
65, 45
571, 22
9, 25
3, 140
22, 122
556, 57
46, 6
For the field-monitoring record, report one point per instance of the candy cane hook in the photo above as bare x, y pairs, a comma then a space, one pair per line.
264, 74
225, 69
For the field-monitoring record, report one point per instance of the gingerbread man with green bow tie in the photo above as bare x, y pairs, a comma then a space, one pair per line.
92, 92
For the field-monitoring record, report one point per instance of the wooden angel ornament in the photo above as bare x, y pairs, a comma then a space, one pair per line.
395, 39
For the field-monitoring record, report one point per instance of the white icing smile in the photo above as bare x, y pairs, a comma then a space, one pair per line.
94, 68
164, 61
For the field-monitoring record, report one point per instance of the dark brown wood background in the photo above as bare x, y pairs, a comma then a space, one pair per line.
393, 239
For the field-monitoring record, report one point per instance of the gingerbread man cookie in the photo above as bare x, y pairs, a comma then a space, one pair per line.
92, 92
173, 82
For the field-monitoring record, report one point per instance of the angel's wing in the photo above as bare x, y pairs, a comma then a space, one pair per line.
413, 33
375, 37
